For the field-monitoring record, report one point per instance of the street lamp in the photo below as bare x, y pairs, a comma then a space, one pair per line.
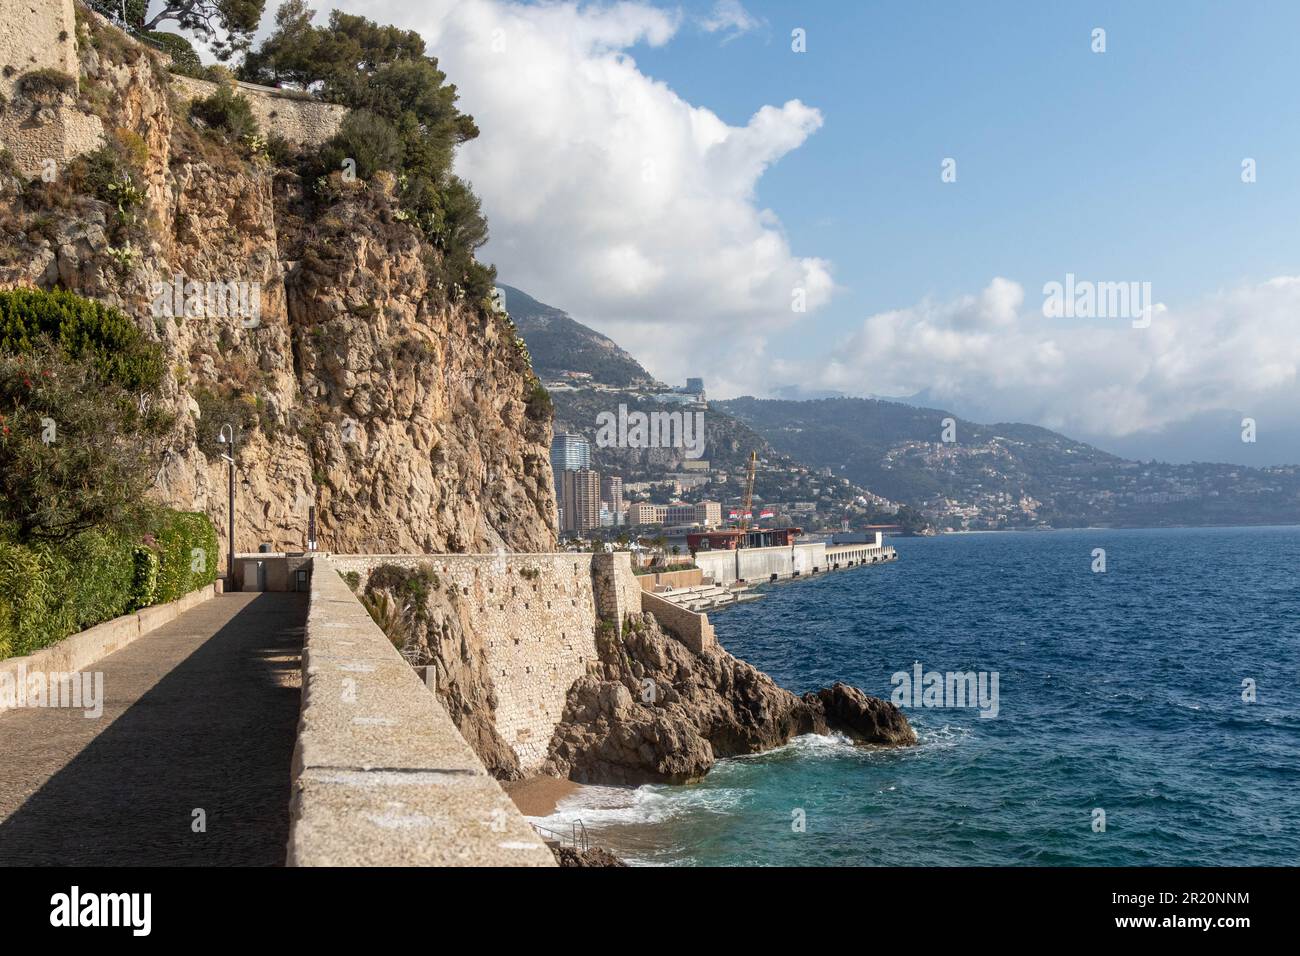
227, 435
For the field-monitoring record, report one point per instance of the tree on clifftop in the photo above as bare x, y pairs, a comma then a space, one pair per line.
226, 26
404, 119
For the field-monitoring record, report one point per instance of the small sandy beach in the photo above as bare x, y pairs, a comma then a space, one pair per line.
538, 796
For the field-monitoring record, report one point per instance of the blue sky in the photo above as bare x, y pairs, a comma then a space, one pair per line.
1124, 164
674, 175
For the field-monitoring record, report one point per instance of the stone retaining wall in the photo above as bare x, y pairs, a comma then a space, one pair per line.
671, 579
535, 617
381, 776
303, 122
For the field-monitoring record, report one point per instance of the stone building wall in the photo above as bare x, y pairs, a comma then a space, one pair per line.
303, 122
535, 615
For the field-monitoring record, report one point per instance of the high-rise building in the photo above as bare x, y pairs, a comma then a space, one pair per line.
611, 492
580, 499
569, 452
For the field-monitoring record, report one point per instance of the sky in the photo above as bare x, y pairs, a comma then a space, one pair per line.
879, 212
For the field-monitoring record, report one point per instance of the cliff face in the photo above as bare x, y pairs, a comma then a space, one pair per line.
360, 384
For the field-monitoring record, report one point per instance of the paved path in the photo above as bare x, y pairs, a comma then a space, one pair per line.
199, 714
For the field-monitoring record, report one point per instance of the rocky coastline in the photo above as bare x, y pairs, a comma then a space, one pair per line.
653, 711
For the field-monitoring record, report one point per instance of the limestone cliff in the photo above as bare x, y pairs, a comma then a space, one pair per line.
400, 409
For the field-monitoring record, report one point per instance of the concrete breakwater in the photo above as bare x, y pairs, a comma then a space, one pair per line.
759, 565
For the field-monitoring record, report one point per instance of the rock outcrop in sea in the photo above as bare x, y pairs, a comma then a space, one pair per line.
653, 711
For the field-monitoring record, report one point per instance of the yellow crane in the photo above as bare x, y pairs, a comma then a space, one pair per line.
749, 490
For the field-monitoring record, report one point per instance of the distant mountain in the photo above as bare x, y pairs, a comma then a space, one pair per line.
560, 344
1011, 475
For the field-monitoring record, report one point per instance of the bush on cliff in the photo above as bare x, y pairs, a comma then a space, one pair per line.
81, 328
226, 113
80, 426
407, 123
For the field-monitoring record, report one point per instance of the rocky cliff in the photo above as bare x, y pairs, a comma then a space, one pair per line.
407, 414
656, 712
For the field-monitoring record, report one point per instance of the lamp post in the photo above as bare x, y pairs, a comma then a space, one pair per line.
227, 435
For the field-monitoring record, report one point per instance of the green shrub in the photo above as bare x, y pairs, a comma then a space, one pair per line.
51, 590
81, 328
226, 113
184, 60
76, 452
144, 584
369, 140
187, 544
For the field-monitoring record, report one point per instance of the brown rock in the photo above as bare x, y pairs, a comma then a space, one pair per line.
866, 719
571, 856
660, 713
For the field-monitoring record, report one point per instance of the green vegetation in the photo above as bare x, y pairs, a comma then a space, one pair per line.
51, 590
80, 429
227, 114
397, 599
83, 329
404, 121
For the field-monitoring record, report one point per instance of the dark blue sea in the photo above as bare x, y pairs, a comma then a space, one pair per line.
1120, 692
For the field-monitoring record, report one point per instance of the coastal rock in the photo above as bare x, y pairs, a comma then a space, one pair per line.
658, 713
865, 719
571, 856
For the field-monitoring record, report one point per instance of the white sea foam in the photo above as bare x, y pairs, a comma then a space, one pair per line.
599, 807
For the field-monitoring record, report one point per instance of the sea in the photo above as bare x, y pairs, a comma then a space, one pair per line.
1147, 711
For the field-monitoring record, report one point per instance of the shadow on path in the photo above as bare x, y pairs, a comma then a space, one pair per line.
205, 723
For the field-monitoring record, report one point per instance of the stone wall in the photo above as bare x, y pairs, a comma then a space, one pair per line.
36, 34
302, 121
690, 627
535, 616
672, 579
381, 776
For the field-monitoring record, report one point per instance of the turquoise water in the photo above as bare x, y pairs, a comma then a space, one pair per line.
1119, 691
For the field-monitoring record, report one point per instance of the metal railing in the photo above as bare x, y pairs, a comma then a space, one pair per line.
577, 839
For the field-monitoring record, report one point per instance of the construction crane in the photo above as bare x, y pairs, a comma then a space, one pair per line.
749, 491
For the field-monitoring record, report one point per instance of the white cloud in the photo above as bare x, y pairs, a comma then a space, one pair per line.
1236, 350
608, 194
731, 18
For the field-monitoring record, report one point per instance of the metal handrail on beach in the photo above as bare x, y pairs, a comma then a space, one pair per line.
578, 838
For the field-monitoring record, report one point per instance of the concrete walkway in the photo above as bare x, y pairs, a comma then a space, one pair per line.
200, 714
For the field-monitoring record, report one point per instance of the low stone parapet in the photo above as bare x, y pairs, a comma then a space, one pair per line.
381, 776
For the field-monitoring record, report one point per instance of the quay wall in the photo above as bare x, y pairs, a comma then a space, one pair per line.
758, 565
